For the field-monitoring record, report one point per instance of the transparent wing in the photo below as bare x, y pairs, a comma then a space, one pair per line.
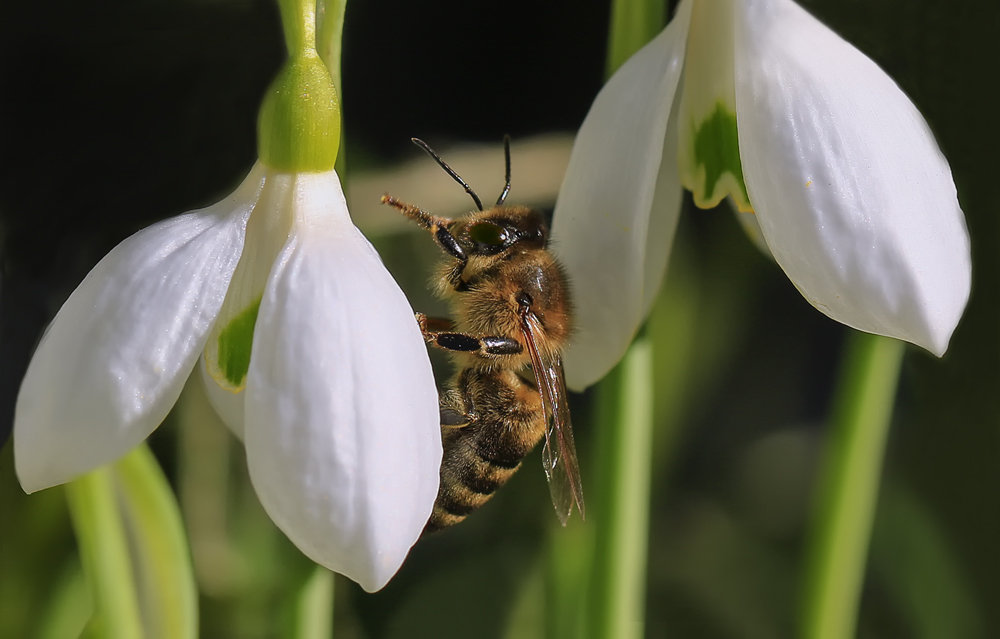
559, 452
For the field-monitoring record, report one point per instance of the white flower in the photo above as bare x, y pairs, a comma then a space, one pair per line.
851, 194
341, 419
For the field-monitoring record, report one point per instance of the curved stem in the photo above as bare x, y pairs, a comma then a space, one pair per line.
849, 485
160, 547
104, 554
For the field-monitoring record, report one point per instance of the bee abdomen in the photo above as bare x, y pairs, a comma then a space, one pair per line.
503, 422
468, 477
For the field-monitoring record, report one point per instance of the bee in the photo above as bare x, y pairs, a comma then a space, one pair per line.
511, 317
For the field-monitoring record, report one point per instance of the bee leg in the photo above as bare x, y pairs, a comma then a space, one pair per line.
454, 412
436, 332
417, 214
433, 325
465, 343
438, 226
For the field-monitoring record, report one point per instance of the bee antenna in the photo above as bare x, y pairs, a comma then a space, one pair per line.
506, 158
448, 170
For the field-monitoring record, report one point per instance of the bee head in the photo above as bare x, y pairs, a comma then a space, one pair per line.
499, 230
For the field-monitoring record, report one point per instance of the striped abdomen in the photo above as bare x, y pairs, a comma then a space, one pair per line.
489, 421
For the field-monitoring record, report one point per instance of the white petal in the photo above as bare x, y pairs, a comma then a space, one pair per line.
602, 223
227, 353
664, 214
228, 405
114, 360
852, 194
342, 431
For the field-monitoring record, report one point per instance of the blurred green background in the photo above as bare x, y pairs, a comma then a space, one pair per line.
116, 114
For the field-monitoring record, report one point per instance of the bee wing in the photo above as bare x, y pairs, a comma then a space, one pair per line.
559, 452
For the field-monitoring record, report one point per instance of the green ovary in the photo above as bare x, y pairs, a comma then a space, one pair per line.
235, 343
716, 147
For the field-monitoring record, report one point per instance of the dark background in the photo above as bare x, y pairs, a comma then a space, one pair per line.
116, 114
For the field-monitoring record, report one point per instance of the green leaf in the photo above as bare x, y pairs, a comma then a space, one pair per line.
70, 607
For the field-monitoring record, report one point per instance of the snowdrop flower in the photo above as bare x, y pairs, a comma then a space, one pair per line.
758, 101
306, 343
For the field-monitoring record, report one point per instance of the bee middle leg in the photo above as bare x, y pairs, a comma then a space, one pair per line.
463, 342
455, 412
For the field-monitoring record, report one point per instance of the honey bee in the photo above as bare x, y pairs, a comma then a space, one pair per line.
511, 318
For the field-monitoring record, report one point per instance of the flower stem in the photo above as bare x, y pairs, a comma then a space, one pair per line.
633, 24
166, 576
298, 18
849, 486
617, 586
329, 41
104, 555
314, 608
134, 551
330, 38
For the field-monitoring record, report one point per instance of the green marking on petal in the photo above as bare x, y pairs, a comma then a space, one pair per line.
717, 148
235, 343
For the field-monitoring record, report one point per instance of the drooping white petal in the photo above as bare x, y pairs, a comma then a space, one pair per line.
852, 194
664, 213
602, 223
341, 428
115, 358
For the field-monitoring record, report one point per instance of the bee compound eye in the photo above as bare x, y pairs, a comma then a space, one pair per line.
489, 234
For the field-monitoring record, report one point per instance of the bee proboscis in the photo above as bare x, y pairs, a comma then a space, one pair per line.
511, 317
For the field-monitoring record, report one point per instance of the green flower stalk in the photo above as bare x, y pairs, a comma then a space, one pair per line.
134, 551
299, 125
